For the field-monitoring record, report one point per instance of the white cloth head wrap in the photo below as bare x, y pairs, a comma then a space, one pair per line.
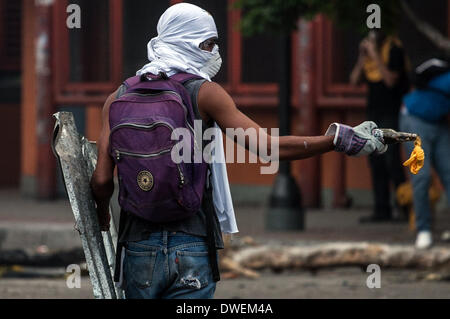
181, 29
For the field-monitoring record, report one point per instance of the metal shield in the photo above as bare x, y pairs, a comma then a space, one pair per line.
77, 158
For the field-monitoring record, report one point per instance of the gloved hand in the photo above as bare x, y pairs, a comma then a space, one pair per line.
357, 141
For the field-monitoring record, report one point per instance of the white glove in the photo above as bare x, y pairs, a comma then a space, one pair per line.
357, 141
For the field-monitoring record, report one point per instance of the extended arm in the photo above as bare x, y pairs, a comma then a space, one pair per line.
214, 102
356, 75
390, 78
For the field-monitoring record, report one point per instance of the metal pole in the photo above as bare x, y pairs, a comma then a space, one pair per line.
77, 158
308, 118
285, 207
340, 198
46, 173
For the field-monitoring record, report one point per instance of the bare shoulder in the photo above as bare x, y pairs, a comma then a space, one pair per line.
105, 115
108, 102
110, 99
211, 90
212, 98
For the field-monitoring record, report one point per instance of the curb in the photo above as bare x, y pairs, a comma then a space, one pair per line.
35, 237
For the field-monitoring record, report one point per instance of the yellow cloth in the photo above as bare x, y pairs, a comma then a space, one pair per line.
404, 194
371, 69
415, 161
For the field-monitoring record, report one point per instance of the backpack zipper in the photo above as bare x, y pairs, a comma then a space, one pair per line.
164, 151
118, 153
141, 126
182, 105
137, 126
132, 154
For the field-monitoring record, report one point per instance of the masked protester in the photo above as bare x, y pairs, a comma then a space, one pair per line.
158, 256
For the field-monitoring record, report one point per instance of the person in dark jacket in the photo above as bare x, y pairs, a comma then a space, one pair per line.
382, 64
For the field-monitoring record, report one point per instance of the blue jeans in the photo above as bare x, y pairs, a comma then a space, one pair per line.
436, 145
168, 265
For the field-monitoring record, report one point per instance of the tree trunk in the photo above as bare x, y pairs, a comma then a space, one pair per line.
432, 34
278, 257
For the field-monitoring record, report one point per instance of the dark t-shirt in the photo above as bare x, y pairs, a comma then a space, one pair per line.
383, 103
133, 228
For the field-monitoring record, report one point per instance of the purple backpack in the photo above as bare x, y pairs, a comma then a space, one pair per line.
151, 185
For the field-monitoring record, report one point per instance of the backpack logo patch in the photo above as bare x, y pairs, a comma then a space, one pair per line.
145, 180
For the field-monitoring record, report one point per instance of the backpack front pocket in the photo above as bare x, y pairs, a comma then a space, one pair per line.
152, 185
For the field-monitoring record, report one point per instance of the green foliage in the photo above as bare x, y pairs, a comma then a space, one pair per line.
280, 16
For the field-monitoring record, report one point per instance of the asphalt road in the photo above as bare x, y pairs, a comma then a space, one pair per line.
330, 283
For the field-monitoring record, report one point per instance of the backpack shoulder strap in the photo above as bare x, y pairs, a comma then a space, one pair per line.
132, 81
127, 84
184, 77
179, 77
121, 90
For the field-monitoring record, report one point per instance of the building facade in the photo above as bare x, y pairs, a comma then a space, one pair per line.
46, 67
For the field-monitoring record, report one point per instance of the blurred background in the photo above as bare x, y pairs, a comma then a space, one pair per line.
46, 67
89, 63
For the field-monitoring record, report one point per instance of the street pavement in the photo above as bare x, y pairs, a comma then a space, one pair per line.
46, 226
339, 283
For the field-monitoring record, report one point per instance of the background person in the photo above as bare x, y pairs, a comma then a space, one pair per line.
382, 64
426, 112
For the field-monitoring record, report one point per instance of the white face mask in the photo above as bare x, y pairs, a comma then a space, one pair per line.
212, 66
181, 29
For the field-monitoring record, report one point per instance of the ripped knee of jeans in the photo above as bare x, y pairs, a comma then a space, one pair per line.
191, 282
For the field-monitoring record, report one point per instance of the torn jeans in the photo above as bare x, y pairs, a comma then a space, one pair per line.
168, 265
